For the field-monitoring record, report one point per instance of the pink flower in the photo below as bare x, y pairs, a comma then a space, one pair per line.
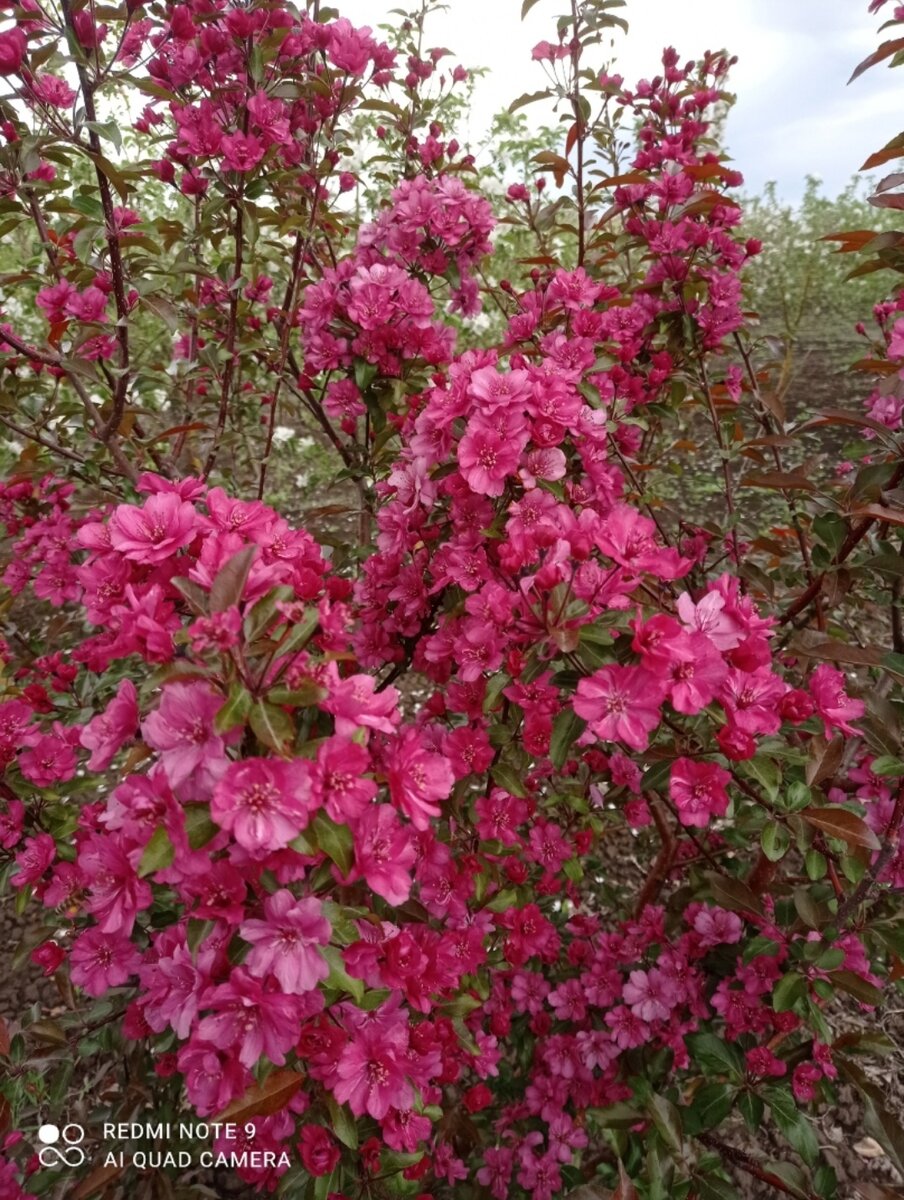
211, 1079
106, 733
13, 48
50, 759
751, 700
836, 708
499, 816
156, 531
697, 671
89, 305
100, 961
621, 704
242, 151
263, 802
417, 779
350, 49
12, 820
651, 995
486, 458
52, 90
355, 704
33, 859
285, 943
249, 1021
698, 791
182, 728
384, 853
371, 1074
339, 779
117, 895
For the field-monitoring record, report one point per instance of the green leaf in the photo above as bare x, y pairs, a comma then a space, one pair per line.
816, 865
566, 729
775, 841
264, 610
751, 1108
528, 98
793, 1123
789, 990
229, 584
339, 977
506, 778
526, 6
305, 695
235, 711
158, 853
334, 840
885, 765
342, 1123
667, 1120
198, 825
300, 633
715, 1056
710, 1107
766, 772
272, 727
831, 531
711, 1187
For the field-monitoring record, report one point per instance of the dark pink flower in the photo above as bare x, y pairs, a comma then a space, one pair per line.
319, 1152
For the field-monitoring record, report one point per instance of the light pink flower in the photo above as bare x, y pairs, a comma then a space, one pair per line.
417, 778
486, 458
621, 704
156, 531
698, 791
384, 853
355, 704
651, 995
249, 1021
182, 728
263, 802
106, 733
286, 942
836, 708
371, 1072
99, 961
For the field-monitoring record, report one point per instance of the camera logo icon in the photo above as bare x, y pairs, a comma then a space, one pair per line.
61, 1147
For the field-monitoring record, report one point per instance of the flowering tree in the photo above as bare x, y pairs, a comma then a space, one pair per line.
533, 839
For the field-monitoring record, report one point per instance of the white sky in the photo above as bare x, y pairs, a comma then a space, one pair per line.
795, 115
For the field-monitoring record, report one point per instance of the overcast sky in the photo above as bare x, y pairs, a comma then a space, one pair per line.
795, 114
